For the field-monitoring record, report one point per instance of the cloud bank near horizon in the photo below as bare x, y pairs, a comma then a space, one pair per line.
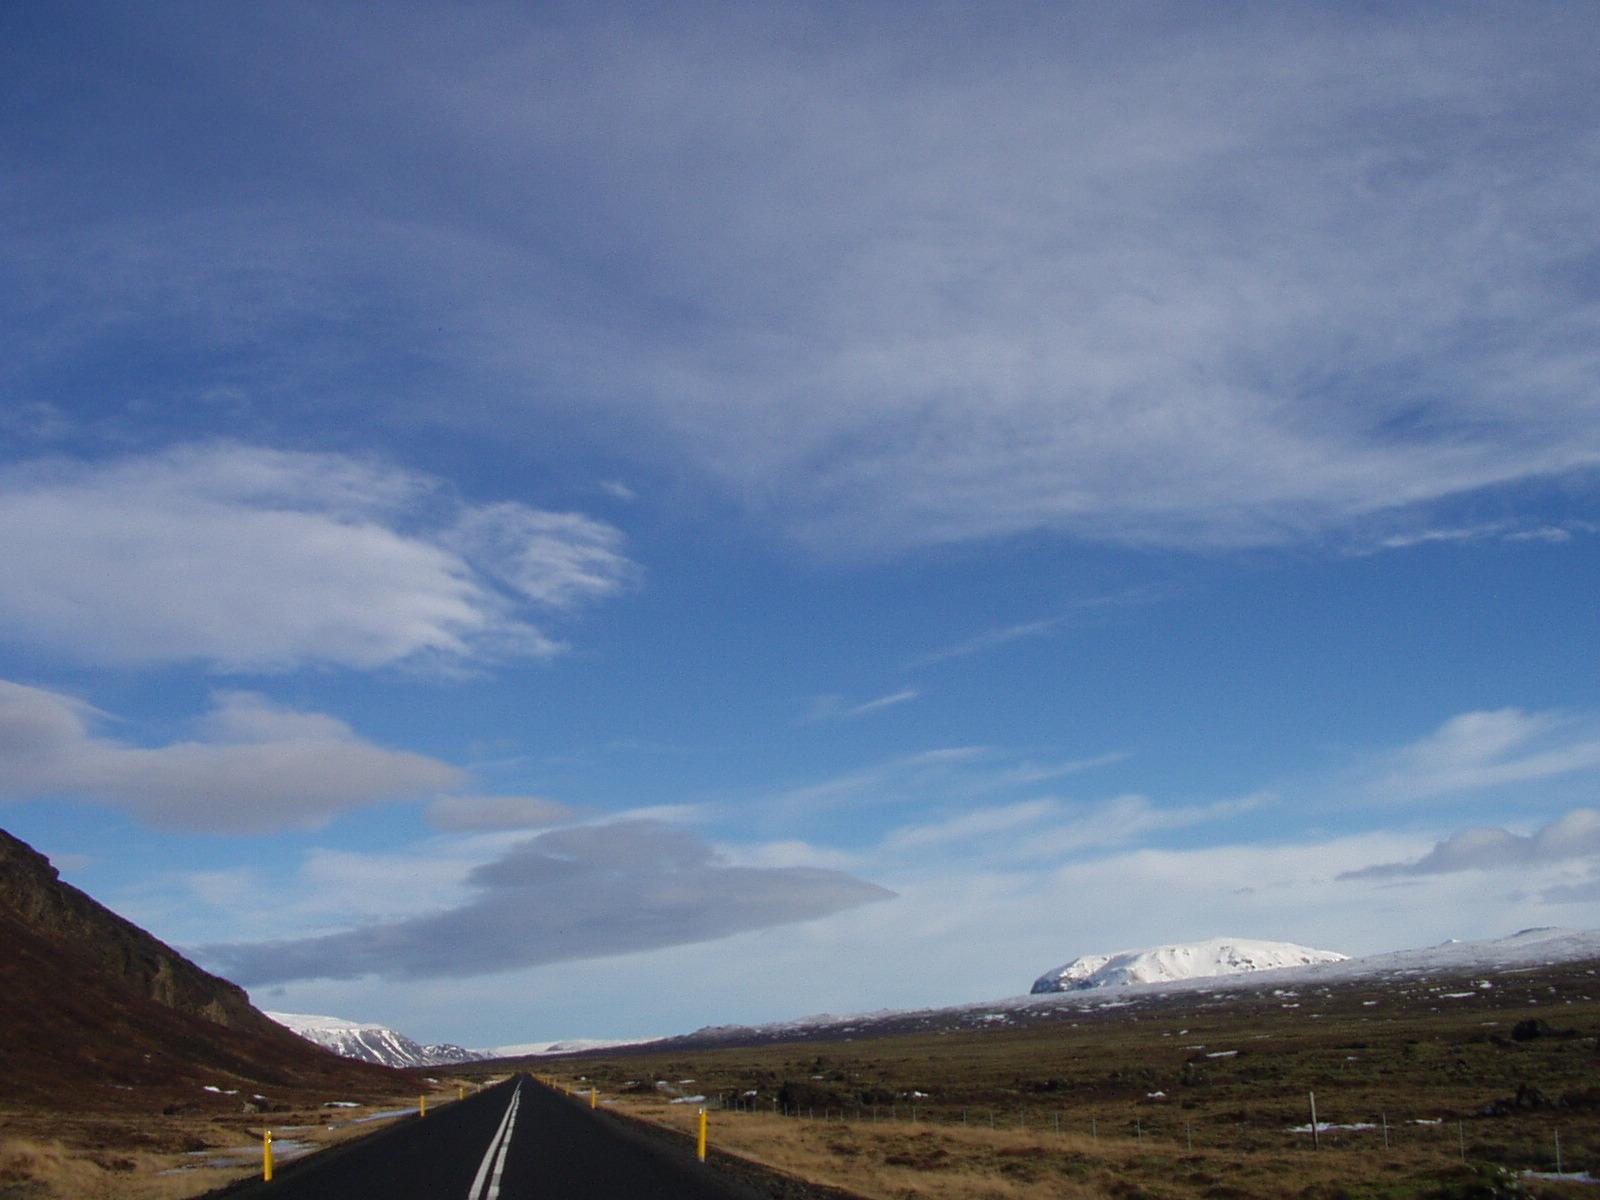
1576, 835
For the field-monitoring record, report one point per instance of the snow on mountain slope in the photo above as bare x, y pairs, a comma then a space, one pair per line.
1527, 948
371, 1043
1187, 960
567, 1046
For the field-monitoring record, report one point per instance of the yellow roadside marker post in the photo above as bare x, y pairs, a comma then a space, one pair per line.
266, 1156
461, 1092
594, 1097
422, 1106
700, 1147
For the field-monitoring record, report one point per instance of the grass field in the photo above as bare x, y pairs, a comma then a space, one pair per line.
151, 1155
1443, 1086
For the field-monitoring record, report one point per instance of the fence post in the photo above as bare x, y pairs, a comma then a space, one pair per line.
1316, 1138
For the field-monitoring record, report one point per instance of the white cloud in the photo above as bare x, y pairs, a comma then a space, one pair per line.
554, 559
1193, 311
988, 640
1034, 830
1030, 773
253, 559
962, 829
883, 702
896, 780
991, 639
256, 768
1154, 285
1503, 531
1491, 748
833, 708
1489, 848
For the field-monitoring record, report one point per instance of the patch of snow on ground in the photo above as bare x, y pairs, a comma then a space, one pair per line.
1561, 1177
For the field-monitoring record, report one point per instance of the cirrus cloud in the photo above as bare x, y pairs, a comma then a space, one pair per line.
1475, 751
1153, 283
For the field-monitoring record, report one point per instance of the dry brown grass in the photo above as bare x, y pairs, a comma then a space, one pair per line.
79, 1156
30, 1168
1469, 1101
892, 1160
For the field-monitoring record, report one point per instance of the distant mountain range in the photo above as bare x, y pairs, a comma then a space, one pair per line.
1527, 948
373, 1043
97, 1013
567, 1046
1089, 982
1184, 960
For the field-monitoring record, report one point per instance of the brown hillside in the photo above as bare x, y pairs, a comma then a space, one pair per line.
96, 1014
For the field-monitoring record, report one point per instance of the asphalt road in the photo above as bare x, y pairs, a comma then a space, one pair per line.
514, 1141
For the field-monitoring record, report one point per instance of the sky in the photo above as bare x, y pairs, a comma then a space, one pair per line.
526, 521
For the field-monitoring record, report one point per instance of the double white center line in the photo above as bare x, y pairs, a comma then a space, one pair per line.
486, 1184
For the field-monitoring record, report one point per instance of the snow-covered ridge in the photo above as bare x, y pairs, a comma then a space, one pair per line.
568, 1046
371, 1043
1184, 960
1526, 948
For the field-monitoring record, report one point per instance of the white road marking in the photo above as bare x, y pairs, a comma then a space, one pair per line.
486, 1184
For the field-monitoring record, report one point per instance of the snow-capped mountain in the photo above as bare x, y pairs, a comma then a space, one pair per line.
568, 1046
372, 1043
1397, 969
1185, 960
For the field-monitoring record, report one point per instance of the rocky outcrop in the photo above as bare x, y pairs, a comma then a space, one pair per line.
98, 1015
31, 889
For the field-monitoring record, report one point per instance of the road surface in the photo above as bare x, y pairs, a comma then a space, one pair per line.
516, 1140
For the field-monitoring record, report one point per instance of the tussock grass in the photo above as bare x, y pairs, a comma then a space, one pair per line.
893, 1160
49, 1169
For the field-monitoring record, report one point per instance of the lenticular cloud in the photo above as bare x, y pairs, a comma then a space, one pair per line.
589, 892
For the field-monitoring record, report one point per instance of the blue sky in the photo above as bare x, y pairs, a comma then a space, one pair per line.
540, 521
